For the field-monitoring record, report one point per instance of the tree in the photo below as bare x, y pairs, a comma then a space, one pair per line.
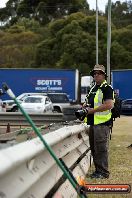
124, 37
120, 57
43, 11
67, 41
71, 43
121, 13
18, 48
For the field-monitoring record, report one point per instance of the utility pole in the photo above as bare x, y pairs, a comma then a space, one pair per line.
109, 42
97, 33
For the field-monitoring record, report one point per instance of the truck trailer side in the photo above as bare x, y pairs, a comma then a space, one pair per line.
42, 80
122, 83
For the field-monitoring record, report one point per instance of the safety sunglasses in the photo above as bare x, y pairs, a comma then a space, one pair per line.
98, 73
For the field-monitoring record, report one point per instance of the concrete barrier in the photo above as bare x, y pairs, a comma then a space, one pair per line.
28, 171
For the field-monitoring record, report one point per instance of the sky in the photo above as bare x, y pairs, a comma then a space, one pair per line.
92, 3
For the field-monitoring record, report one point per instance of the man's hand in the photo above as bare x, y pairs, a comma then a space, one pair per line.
107, 105
84, 105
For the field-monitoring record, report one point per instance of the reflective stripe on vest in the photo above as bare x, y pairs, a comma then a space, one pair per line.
100, 117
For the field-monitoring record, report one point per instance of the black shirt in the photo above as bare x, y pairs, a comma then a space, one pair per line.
107, 94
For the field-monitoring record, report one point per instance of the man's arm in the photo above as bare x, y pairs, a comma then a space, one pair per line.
107, 105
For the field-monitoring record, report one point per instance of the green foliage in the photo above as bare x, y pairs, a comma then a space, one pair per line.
22, 38
18, 49
121, 13
121, 58
16, 29
42, 11
129, 27
29, 24
45, 53
120, 36
71, 43
63, 34
56, 26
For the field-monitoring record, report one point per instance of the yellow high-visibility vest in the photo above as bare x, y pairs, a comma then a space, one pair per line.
104, 116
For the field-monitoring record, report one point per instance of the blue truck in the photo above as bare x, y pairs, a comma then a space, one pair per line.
122, 83
42, 80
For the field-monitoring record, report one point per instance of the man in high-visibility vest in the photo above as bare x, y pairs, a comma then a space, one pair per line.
100, 102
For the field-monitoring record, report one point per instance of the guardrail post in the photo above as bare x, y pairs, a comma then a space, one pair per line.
8, 129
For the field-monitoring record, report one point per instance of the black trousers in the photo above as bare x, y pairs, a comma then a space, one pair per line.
99, 143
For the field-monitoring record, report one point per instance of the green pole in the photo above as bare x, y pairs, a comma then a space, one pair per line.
74, 184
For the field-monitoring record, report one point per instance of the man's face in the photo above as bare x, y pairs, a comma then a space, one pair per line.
99, 77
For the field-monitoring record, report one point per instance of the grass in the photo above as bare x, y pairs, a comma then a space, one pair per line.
120, 158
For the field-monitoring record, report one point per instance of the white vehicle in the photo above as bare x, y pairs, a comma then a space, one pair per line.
37, 104
86, 83
59, 101
10, 104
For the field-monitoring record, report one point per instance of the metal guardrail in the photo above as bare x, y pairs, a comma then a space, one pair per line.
10, 135
30, 167
17, 119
